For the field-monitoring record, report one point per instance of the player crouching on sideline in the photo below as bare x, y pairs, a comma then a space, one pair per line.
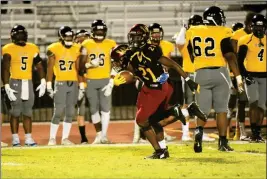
99, 84
145, 61
62, 61
252, 49
18, 59
182, 43
80, 36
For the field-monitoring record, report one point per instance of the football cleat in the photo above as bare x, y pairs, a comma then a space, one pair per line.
160, 154
178, 113
194, 110
52, 142
198, 140
223, 146
66, 142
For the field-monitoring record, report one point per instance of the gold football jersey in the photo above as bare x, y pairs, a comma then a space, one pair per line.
99, 50
21, 59
166, 47
256, 55
188, 66
65, 59
206, 43
238, 34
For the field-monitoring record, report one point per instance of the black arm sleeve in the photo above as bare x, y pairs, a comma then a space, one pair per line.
190, 51
37, 59
157, 52
226, 45
241, 55
49, 53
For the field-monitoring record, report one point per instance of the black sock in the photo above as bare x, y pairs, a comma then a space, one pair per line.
82, 132
222, 137
200, 128
258, 130
253, 127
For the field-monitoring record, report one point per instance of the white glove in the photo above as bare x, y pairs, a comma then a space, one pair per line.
81, 91
49, 89
108, 88
180, 39
93, 63
41, 87
239, 83
10, 93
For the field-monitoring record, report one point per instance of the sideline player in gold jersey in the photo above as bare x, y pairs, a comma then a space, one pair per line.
182, 42
99, 84
252, 49
80, 36
62, 61
211, 53
18, 59
240, 133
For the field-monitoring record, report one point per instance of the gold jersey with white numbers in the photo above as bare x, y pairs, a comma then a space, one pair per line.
65, 59
256, 54
22, 58
206, 45
99, 50
167, 48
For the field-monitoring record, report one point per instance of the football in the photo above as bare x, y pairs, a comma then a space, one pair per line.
127, 75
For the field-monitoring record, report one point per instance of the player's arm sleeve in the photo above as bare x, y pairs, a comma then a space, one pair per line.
172, 64
5, 66
241, 55
226, 46
157, 53
50, 64
229, 55
82, 60
190, 51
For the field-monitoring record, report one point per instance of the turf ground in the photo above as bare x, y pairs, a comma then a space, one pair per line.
126, 161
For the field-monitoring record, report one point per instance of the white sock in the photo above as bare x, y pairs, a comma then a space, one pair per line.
66, 130
136, 130
15, 138
53, 130
105, 118
185, 129
99, 134
242, 129
162, 144
28, 136
185, 112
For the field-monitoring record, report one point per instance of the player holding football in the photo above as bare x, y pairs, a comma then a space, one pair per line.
211, 52
145, 61
252, 49
99, 84
18, 59
156, 34
62, 59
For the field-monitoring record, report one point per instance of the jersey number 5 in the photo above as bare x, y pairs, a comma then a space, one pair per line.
62, 65
208, 47
24, 63
260, 55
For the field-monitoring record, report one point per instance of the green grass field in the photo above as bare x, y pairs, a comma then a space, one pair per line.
248, 161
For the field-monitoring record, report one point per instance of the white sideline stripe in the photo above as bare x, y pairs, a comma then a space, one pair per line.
48, 123
10, 164
177, 143
80, 146
249, 153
